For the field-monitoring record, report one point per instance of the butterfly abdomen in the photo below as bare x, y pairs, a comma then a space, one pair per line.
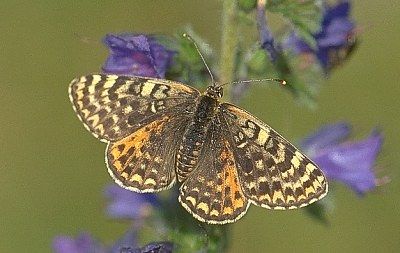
194, 136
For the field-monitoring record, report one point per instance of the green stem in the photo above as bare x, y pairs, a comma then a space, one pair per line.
229, 43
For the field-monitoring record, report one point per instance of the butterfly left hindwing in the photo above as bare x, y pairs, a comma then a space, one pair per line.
144, 161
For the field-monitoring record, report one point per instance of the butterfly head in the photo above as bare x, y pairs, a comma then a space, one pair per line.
214, 91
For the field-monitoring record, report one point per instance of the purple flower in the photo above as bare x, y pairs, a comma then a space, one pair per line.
266, 38
136, 54
334, 40
83, 243
129, 205
326, 136
351, 163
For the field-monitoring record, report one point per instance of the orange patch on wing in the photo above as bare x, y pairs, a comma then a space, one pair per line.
132, 144
231, 181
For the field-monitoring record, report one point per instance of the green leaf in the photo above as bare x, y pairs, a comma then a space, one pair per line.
304, 15
259, 65
247, 5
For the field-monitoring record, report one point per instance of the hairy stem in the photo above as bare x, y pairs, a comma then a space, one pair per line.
229, 43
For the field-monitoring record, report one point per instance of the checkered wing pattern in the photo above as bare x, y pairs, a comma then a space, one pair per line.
144, 161
142, 119
212, 192
272, 172
112, 107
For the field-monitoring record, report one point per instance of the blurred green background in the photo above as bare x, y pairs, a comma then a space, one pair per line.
52, 171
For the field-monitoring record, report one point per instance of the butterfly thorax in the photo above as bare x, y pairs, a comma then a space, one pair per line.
195, 135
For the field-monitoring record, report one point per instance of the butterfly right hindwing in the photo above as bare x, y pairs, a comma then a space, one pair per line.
212, 192
272, 172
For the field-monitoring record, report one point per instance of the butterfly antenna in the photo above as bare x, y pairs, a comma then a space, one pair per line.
280, 81
187, 36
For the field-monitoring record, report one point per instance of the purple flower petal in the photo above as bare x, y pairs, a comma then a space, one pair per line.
83, 243
127, 204
136, 55
337, 33
297, 45
352, 163
162, 58
341, 10
326, 136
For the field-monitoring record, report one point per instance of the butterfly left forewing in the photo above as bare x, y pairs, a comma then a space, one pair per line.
111, 107
272, 172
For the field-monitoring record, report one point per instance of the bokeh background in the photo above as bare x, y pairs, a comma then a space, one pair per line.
52, 171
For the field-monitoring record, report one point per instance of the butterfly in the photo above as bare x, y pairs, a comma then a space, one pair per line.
160, 132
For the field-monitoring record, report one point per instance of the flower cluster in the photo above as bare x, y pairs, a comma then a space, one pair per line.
334, 40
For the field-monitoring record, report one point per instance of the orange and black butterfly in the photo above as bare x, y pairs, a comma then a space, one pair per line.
160, 132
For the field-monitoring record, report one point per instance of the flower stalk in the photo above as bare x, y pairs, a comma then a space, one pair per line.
229, 43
